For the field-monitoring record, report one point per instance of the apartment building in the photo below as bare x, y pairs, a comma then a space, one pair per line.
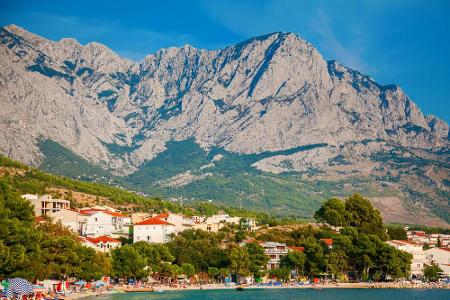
275, 251
45, 204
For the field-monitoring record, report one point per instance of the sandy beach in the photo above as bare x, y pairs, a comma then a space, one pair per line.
360, 285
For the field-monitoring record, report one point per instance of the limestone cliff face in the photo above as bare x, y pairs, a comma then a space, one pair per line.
268, 93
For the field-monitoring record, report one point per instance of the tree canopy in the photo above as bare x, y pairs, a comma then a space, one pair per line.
356, 212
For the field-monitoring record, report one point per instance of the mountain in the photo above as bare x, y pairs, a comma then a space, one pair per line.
267, 123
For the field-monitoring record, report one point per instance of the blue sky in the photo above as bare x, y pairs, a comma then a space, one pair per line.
401, 42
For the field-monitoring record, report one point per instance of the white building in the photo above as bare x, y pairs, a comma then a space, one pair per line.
45, 204
101, 244
440, 257
250, 224
275, 251
419, 258
179, 221
153, 230
209, 227
222, 218
70, 218
101, 222
198, 219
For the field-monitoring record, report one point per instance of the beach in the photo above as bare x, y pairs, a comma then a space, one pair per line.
284, 293
220, 286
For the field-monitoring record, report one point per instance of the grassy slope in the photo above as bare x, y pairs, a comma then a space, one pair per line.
60, 160
30, 180
233, 183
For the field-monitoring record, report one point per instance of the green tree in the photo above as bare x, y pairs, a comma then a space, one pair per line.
128, 263
223, 273
332, 212
315, 256
154, 254
91, 265
396, 233
239, 236
392, 262
169, 271
282, 273
188, 270
59, 256
258, 259
213, 273
431, 272
239, 260
200, 248
337, 262
19, 240
362, 215
294, 260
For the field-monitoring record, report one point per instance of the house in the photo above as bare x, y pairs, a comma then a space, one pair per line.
249, 224
440, 257
431, 240
45, 204
70, 218
153, 230
275, 251
177, 220
328, 243
198, 219
138, 217
297, 249
101, 244
40, 219
102, 222
210, 227
416, 251
222, 218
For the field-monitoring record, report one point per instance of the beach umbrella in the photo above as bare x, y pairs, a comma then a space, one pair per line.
81, 282
99, 283
4, 284
39, 288
18, 286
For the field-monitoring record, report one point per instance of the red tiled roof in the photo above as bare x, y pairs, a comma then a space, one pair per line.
294, 248
103, 239
116, 214
40, 219
88, 211
402, 242
446, 249
162, 216
153, 221
96, 210
329, 242
419, 233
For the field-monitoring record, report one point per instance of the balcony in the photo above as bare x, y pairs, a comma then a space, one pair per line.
275, 251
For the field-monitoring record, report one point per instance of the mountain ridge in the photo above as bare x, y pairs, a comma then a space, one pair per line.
269, 93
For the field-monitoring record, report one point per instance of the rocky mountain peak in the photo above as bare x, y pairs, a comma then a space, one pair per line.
269, 93
270, 104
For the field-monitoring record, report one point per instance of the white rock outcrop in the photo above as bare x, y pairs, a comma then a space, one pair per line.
269, 93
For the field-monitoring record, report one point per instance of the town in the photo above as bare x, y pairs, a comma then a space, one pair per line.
104, 228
